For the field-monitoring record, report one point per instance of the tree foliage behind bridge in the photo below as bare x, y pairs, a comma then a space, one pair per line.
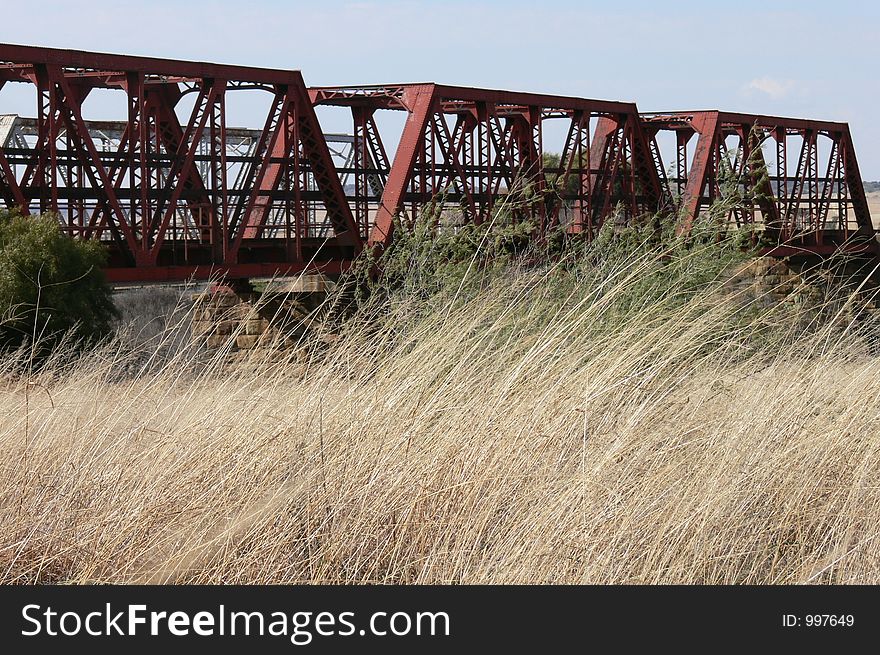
51, 286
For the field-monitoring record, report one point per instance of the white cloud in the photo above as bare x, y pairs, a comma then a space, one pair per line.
770, 86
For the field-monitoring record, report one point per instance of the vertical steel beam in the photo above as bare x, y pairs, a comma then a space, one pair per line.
420, 100
856, 189
702, 169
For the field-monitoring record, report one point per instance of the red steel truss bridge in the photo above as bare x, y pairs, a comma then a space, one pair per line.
174, 191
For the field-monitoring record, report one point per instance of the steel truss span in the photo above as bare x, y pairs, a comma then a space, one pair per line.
175, 191
479, 151
169, 197
795, 180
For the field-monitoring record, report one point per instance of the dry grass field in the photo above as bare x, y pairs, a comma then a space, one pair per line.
499, 433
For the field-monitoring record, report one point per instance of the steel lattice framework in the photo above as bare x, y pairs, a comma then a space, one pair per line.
174, 192
481, 150
797, 180
171, 201
19, 138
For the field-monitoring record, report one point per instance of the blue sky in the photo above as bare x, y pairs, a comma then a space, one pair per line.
810, 59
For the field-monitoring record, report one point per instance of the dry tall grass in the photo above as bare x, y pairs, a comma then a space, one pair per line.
503, 435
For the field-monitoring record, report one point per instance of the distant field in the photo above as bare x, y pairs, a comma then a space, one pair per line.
874, 206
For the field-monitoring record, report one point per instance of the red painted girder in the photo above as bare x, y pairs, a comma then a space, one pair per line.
69, 105
182, 172
147, 65
233, 271
864, 247
317, 152
605, 154
284, 142
386, 95
706, 126
161, 101
342, 98
854, 183
10, 189
283, 147
670, 119
421, 99
711, 125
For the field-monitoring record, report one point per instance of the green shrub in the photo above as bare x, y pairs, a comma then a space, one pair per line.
51, 286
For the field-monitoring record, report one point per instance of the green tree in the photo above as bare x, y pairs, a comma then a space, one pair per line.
51, 286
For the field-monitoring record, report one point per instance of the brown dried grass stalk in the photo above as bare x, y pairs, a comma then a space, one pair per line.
500, 438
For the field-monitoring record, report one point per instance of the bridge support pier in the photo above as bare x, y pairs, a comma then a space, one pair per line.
813, 284
245, 317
